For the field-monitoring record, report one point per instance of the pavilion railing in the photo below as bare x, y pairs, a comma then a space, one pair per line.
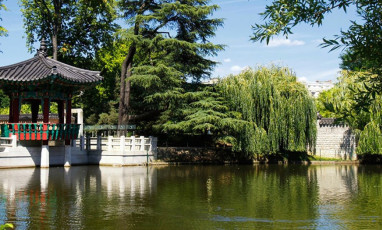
40, 131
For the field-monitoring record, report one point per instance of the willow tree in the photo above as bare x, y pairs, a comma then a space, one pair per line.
259, 112
174, 36
279, 110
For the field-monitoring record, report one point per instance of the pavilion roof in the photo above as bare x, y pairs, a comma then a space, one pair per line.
41, 67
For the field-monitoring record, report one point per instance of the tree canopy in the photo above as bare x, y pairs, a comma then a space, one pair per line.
173, 39
73, 28
353, 102
264, 97
251, 111
361, 40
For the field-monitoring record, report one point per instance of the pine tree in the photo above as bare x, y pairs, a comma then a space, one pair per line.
171, 37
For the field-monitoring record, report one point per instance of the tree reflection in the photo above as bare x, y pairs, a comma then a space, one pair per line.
193, 197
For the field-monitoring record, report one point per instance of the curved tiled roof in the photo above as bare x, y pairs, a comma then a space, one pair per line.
41, 67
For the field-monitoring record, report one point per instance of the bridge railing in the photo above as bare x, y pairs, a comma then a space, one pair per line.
40, 131
123, 144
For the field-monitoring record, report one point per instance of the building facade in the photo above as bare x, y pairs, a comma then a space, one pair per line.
315, 88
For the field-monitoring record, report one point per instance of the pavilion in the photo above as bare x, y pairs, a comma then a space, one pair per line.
39, 81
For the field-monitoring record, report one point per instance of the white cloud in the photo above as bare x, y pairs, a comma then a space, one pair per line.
236, 68
227, 60
285, 42
302, 79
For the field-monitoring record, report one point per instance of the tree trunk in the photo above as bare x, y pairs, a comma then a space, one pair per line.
57, 20
124, 100
124, 97
54, 45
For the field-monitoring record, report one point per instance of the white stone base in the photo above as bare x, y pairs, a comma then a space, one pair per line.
44, 156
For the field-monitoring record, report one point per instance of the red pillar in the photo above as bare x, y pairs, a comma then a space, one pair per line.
61, 113
34, 107
45, 118
10, 120
46, 111
68, 116
15, 110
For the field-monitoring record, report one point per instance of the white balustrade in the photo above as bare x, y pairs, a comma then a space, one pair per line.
123, 144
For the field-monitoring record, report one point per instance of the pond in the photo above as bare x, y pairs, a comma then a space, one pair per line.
193, 197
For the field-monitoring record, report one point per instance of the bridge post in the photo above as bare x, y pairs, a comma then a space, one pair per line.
44, 156
14, 141
110, 143
122, 144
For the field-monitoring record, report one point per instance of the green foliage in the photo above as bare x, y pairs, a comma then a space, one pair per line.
354, 62
356, 96
251, 111
4, 103
202, 112
110, 118
6, 226
80, 33
108, 59
349, 100
370, 141
282, 15
3, 31
352, 102
361, 40
264, 97
169, 44
80, 27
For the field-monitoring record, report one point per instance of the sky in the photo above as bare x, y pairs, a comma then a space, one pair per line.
300, 52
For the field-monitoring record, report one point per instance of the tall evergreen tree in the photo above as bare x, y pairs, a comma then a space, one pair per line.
172, 37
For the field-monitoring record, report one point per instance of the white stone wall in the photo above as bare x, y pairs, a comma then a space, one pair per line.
335, 141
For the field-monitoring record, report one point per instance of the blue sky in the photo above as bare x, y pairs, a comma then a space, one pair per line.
300, 52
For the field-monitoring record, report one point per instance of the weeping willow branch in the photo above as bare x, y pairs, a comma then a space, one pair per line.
280, 110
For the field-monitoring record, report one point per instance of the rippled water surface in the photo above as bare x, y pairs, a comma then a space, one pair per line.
193, 197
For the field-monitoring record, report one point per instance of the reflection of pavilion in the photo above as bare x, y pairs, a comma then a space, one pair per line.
29, 196
41, 81
128, 181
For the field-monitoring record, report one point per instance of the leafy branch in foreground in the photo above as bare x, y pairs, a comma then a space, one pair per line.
6, 226
361, 41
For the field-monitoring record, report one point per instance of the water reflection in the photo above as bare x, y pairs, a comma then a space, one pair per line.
193, 197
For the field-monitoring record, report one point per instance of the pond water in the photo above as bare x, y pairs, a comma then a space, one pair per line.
193, 197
